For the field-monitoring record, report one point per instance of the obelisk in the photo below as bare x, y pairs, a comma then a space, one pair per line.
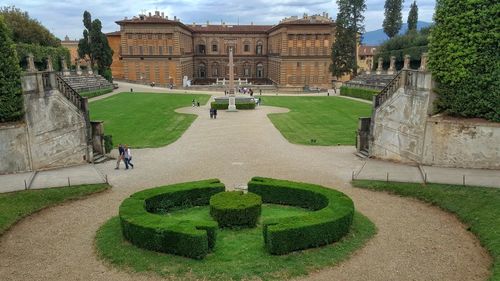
232, 98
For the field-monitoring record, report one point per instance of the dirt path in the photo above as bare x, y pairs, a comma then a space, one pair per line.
414, 241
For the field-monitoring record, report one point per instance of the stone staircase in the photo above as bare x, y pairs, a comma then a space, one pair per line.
371, 81
85, 83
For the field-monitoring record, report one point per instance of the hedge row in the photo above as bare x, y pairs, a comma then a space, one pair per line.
236, 208
96, 93
360, 93
330, 221
40, 55
144, 226
223, 106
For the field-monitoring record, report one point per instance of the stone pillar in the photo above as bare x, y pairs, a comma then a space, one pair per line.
423, 62
78, 68
369, 64
406, 64
392, 65
65, 70
31, 63
52, 75
379, 66
232, 99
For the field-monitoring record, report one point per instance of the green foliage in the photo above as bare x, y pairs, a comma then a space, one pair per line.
27, 30
16, 205
366, 94
413, 17
92, 94
11, 99
478, 207
464, 58
144, 227
349, 24
412, 44
330, 221
152, 123
108, 143
328, 120
393, 19
40, 55
224, 106
236, 208
94, 46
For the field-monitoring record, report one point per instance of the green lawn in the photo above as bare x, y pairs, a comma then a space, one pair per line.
478, 207
144, 119
238, 254
17, 205
328, 120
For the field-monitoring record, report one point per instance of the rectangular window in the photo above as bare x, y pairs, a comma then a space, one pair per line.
129, 36
247, 48
160, 50
140, 50
131, 50
139, 36
214, 48
150, 50
170, 49
150, 36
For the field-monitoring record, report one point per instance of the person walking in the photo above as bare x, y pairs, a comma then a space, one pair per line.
128, 157
211, 113
121, 152
215, 113
193, 103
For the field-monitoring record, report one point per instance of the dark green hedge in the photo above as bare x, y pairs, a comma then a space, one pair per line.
40, 54
224, 106
92, 94
330, 221
360, 93
144, 226
236, 208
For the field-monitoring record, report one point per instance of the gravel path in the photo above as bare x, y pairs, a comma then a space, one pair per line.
414, 241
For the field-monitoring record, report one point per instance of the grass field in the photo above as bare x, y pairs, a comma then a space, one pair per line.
478, 207
328, 120
17, 205
238, 254
144, 119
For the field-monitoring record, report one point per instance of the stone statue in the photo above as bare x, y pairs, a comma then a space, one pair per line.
31, 63
379, 66
423, 62
406, 64
392, 65
65, 70
78, 68
50, 67
369, 65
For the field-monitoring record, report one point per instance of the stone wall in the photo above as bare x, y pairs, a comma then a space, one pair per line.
14, 148
404, 131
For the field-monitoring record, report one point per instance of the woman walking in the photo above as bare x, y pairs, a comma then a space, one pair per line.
128, 158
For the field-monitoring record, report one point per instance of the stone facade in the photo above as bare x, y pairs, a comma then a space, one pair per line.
293, 54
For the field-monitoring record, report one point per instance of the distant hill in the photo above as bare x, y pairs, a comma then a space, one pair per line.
378, 36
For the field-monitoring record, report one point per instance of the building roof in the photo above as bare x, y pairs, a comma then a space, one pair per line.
231, 28
114, 33
367, 50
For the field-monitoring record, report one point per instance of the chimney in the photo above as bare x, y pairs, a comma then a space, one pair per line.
162, 15
149, 14
126, 18
208, 22
251, 23
175, 18
327, 15
166, 17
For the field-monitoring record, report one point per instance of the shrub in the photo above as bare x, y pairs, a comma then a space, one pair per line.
11, 99
330, 221
108, 143
360, 93
144, 226
465, 59
41, 53
224, 106
236, 208
96, 93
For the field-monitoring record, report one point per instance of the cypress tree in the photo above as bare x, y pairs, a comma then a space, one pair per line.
11, 99
393, 19
413, 17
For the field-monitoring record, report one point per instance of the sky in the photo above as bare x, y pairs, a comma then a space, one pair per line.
65, 17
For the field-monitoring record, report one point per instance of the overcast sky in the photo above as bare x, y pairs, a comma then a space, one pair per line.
65, 17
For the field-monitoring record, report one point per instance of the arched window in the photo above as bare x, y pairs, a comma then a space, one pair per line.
215, 69
258, 48
200, 47
202, 70
246, 70
260, 70
246, 46
215, 47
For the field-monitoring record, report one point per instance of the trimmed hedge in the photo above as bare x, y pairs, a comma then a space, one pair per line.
224, 106
96, 93
360, 93
145, 227
330, 221
236, 208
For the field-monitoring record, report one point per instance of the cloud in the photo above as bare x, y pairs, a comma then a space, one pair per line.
65, 17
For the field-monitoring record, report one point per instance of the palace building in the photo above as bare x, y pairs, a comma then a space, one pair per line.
292, 54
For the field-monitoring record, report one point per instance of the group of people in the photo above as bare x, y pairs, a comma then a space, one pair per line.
246, 91
213, 113
195, 103
124, 155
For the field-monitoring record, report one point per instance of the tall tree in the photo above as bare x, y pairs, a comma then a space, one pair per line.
349, 25
94, 46
393, 18
413, 17
464, 58
11, 100
27, 30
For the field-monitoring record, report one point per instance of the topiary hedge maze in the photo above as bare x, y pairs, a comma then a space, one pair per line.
145, 224
236, 208
330, 221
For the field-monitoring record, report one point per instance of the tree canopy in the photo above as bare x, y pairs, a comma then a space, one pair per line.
393, 19
464, 58
24, 29
413, 17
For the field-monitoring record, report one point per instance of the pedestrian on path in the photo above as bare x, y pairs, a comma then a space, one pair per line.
215, 113
211, 113
128, 157
121, 152
193, 103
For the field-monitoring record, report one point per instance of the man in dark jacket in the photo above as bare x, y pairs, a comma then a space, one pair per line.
121, 152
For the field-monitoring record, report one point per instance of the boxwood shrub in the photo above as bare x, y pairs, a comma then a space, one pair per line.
236, 208
330, 221
360, 93
144, 225
224, 106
